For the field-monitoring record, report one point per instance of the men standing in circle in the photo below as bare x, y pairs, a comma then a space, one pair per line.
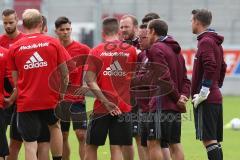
165, 64
3, 139
16, 139
11, 35
33, 60
74, 106
166, 51
129, 29
141, 65
208, 75
109, 79
128, 34
143, 104
145, 20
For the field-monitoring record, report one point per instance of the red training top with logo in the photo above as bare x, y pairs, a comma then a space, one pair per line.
35, 57
6, 42
3, 64
112, 62
79, 53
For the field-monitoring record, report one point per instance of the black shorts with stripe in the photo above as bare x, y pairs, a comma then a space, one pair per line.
150, 126
136, 123
14, 133
209, 121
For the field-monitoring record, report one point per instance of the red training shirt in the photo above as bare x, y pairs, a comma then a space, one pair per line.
3, 64
35, 57
78, 53
111, 62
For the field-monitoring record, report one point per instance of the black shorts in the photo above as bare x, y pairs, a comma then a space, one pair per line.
150, 127
209, 122
3, 139
75, 112
171, 127
30, 123
8, 111
118, 128
14, 133
136, 124
8, 114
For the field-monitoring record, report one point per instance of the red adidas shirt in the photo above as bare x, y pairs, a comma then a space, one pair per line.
35, 57
3, 64
112, 63
6, 42
79, 53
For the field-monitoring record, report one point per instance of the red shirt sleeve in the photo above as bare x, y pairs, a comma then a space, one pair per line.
87, 51
63, 55
11, 61
93, 63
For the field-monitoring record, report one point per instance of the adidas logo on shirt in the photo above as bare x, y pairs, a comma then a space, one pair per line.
114, 70
35, 61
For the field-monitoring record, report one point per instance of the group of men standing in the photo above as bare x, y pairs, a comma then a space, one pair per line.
137, 75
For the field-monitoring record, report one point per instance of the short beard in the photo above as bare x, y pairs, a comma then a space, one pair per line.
131, 36
11, 32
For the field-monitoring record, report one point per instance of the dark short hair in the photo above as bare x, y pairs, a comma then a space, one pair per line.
159, 26
202, 15
147, 19
44, 19
133, 18
61, 20
110, 26
143, 26
150, 16
8, 12
153, 15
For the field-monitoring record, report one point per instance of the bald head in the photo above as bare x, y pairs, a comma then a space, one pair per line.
32, 18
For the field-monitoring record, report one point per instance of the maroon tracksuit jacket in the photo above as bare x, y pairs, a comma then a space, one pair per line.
170, 67
209, 66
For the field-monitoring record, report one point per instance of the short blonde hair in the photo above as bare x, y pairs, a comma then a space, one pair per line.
31, 18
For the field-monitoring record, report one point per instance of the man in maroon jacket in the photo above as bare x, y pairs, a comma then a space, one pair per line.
166, 68
208, 75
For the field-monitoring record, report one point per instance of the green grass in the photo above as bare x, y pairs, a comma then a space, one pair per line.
193, 149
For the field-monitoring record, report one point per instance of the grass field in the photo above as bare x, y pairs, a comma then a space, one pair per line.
193, 149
